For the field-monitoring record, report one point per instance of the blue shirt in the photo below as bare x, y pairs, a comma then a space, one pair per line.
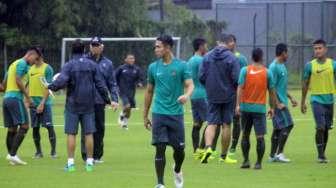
81, 78
219, 74
128, 76
106, 71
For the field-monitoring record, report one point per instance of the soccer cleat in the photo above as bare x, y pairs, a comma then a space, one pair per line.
178, 179
206, 155
282, 158
53, 155
245, 165
198, 153
89, 167
159, 186
38, 155
124, 124
272, 159
70, 168
120, 119
16, 160
228, 160
98, 161
8, 159
257, 166
322, 160
213, 155
231, 154
125, 127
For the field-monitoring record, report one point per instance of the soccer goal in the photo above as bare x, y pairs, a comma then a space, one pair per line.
121, 41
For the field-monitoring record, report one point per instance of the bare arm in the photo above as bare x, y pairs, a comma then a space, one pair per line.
273, 98
21, 86
188, 88
239, 93
291, 98
3, 85
40, 107
148, 101
273, 102
305, 86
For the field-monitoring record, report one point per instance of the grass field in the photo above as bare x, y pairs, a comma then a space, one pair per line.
129, 160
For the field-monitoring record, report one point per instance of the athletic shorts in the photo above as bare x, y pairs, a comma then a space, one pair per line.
220, 113
282, 119
72, 120
199, 108
128, 101
168, 129
323, 115
257, 120
44, 118
14, 112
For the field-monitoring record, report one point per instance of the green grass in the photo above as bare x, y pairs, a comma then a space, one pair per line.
129, 160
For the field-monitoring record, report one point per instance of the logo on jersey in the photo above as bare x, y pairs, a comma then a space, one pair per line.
255, 72
320, 71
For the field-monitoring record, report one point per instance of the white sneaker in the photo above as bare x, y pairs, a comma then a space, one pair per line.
120, 121
8, 159
282, 158
178, 179
98, 161
16, 160
124, 124
159, 186
272, 159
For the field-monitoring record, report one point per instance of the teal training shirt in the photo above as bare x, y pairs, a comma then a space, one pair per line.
194, 63
280, 78
168, 81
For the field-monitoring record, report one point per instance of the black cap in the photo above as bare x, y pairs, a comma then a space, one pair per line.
96, 40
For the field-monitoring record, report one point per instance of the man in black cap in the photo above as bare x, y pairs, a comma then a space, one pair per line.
106, 70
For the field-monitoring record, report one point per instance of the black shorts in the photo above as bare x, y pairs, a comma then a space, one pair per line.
199, 108
128, 101
44, 118
282, 119
73, 119
220, 113
168, 129
323, 115
257, 120
14, 112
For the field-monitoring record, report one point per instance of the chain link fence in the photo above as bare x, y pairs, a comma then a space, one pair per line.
296, 23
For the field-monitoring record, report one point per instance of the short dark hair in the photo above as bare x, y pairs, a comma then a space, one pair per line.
198, 42
166, 40
257, 55
226, 38
129, 54
77, 47
280, 48
233, 37
320, 41
36, 49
